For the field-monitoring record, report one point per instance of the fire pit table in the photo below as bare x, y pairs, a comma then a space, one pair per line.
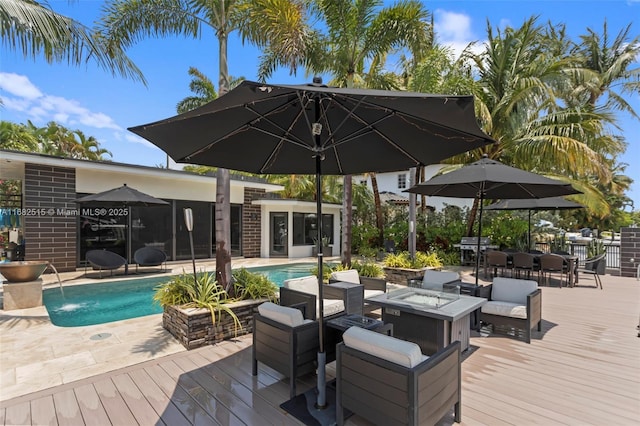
432, 319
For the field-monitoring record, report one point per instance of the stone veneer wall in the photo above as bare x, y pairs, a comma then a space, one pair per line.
629, 251
251, 227
401, 275
193, 327
49, 233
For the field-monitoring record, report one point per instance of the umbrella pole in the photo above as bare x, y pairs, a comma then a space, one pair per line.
321, 401
479, 234
529, 236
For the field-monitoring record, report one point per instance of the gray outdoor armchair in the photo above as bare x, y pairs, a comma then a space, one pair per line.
371, 286
512, 304
104, 259
285, 341
388, 381
150, 256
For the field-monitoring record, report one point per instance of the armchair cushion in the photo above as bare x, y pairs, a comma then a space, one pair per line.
308, 284
505, 309
282, 314
512, 290
440, 278
398, 351
348, 276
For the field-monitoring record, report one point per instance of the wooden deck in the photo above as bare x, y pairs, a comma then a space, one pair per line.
583, 369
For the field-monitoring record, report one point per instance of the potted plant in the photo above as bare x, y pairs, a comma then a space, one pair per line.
399, 267
326, 248
200, 312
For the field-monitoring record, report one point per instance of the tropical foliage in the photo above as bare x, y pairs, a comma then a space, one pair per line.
204, 292
36, 30
403, 259
252, 285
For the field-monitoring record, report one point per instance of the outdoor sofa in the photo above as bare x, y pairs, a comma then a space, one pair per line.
304, 290
388, 381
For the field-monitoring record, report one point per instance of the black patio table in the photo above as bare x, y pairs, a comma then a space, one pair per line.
571, 260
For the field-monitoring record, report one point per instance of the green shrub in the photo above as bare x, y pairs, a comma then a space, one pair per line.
368, 269
421, 260
252, 285
183, 290
595, 247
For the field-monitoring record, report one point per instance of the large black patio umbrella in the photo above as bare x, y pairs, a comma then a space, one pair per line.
122, 196
306, 129
533, 204
490, 179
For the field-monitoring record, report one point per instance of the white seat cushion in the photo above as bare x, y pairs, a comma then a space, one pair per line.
512, 290
308, 284
438, 278
283, 314
398, 351
331, 306
505, 309
348, 276
372, 293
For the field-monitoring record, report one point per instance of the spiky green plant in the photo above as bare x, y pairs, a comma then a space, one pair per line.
252, 285
203, 292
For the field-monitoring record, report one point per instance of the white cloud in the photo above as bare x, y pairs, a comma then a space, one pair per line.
28, 99
18, 85
454, 30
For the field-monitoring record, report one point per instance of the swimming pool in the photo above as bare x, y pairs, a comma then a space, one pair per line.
91, 304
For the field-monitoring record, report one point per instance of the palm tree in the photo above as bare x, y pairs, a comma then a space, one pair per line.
353, 50
33, 28
516, 94
124, 22
610, 62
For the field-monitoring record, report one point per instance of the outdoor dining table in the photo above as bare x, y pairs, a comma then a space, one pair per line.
571, 260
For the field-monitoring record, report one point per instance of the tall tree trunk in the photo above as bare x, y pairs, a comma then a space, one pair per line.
472, 218
223, 180
378, 207
347, 218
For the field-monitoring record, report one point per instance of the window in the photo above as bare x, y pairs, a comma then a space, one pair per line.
402, 181
305, 228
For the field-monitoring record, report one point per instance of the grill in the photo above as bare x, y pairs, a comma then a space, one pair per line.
469, 246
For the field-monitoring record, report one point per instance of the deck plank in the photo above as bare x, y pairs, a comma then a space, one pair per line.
113, 403
43, 411
90, 405
67, 408
135, 400
180, 397
19, 414
582, 369
160, 402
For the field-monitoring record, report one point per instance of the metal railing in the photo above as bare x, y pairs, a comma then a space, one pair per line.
580, 250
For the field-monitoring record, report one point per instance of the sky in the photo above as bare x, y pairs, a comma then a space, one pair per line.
101, 105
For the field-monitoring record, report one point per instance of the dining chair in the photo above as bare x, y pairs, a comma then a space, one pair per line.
552, 263
497, 260
524, 262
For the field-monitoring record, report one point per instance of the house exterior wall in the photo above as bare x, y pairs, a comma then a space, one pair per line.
389, 182
50, 234
629, 251
251, 222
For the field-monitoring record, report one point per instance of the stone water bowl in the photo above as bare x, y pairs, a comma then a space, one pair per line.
22, 271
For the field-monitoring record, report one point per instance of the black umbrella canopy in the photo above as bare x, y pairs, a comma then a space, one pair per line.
123, 195
490, 179
305, 129
269, 129
551, 203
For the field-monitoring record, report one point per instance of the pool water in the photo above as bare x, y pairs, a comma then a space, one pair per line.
101, 303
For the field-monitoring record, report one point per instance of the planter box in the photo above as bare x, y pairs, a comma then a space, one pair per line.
400, 275
326, 251
193, 327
